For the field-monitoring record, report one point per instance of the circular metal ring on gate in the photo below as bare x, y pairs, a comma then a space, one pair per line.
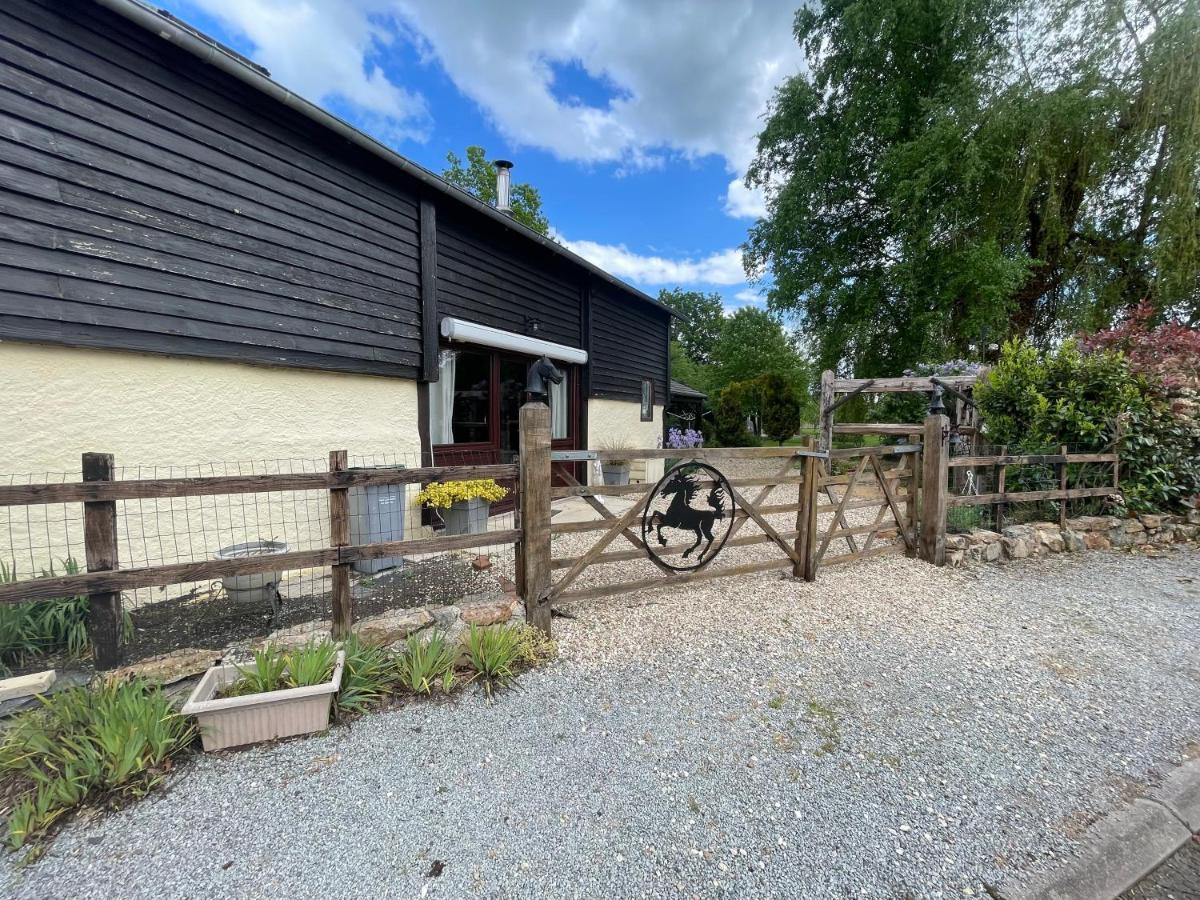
693, 498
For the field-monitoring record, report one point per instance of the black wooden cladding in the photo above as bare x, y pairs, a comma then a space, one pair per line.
629, 344
151, 202
486, 275
146, 203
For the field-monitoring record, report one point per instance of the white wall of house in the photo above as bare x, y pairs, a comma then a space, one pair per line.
619, 421
170, 415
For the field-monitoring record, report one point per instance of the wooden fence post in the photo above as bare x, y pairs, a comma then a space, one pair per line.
806, 519
933, 493
534, 556
339, 536
805, 500
1062, 486
100, 548
999, 476
825, 413
914, 491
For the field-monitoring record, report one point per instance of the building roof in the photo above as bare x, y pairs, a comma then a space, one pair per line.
679, 389
208, 49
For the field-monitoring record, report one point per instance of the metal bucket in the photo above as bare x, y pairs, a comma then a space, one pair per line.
467, 517
256, 588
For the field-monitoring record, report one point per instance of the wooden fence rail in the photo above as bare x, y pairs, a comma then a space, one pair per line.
104, 579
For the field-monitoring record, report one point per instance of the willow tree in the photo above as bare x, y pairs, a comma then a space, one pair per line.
949, 173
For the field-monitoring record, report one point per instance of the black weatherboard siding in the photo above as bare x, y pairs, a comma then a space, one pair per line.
150, 201
490, 276
629, 344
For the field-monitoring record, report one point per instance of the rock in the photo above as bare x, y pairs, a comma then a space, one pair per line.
487, 612
1016, 547
481, 563
27, 685
1151, 521
1132, 526
983, 536
1164, 535
1073, 541
444, 616
1092, 523
1186, 532
957, 542
167, 668
393, 626
1193, 517
1094, 541
992, 552
297, 635
1052, 540
1015, 532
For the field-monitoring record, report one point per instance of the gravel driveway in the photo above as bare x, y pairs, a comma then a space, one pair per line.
891, 730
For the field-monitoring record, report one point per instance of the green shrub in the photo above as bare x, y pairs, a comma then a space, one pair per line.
368, 676
427, 663
495, 654
1034, 402
780, 408
115, 740
40, 627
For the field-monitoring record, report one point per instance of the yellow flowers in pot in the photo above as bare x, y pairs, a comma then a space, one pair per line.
445, 494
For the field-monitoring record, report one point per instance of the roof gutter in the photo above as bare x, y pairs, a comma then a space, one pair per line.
207, 51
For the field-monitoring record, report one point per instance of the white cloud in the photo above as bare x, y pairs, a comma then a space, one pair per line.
692, 79
322, 51
721, 268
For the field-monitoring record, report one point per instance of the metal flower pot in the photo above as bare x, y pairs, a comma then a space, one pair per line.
260, 586
615, 473
467, 516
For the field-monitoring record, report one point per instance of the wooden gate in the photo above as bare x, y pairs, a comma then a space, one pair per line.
799, 547
870, 485
750, 497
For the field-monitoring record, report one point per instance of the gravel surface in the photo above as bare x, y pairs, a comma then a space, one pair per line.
890, 730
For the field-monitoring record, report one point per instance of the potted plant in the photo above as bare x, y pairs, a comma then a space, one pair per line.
282, 694
615, 469
463, 505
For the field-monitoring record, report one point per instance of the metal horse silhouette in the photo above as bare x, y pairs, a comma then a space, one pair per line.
682, 485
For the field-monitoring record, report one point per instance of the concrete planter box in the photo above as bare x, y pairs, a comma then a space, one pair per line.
615, 473
259, 587
235, 721
467, 517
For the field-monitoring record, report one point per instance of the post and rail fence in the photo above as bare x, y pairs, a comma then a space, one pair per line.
902, 490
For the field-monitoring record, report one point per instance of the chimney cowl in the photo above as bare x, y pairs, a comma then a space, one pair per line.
503, 186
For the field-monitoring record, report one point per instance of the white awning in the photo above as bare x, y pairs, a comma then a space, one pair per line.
471, 333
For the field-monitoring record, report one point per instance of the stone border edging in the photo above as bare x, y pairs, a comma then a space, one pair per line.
1082, 533
1125, 846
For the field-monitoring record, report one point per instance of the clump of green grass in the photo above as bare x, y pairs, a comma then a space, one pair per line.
368, 676
274, 669
427, 663
41, 627
114, 741
495, 654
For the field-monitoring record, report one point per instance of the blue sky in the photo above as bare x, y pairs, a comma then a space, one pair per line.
635, 119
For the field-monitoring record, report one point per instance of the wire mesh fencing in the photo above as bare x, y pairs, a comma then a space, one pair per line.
42, 539
993, 479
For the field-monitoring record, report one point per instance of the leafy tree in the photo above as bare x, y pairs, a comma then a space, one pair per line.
478, 178
780, 407
701, 320
752, 343
729, 416
949, 173
690, 372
